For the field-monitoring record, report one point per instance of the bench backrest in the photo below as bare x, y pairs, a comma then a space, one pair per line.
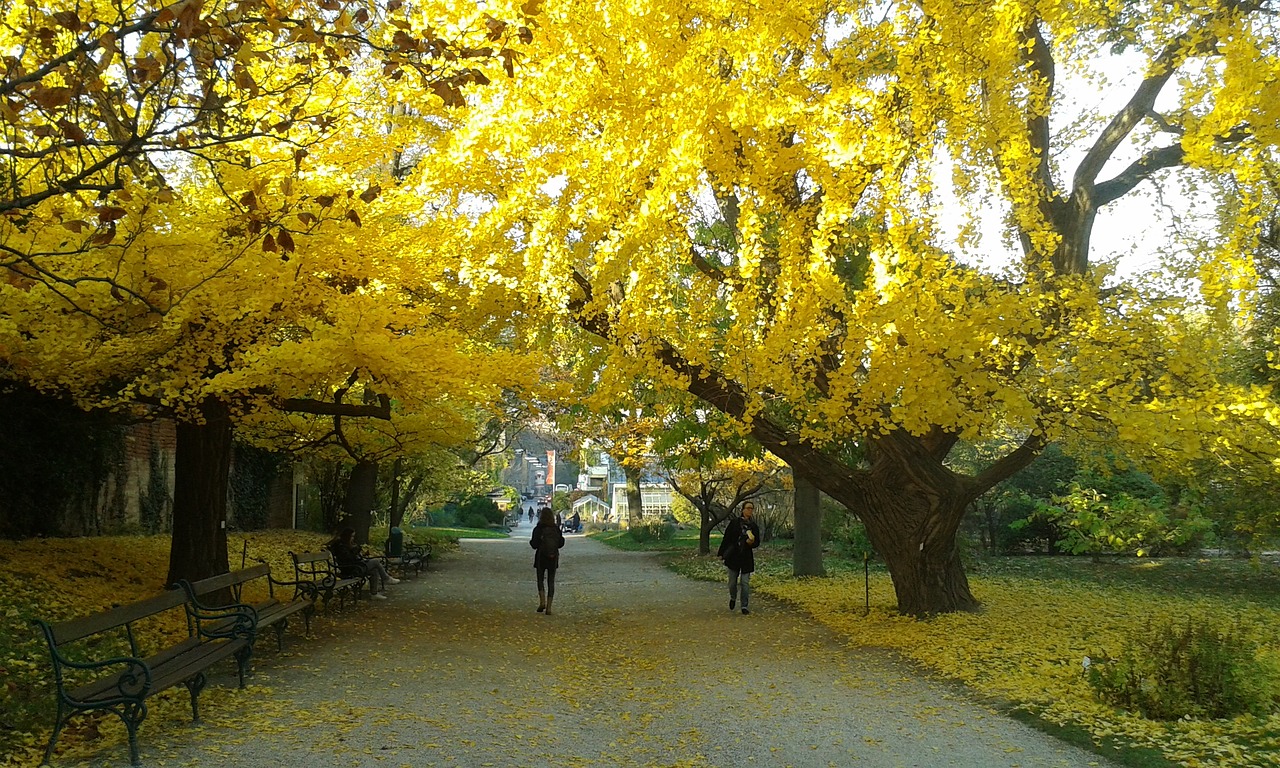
313, 565
120, 616
232, 579
235, 581
306, 558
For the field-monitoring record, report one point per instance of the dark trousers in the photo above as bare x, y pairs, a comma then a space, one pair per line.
547, 576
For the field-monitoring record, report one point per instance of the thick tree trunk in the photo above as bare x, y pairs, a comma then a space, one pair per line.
806, 558
635, 510
706, 525
913, 527
202, 466
362, 492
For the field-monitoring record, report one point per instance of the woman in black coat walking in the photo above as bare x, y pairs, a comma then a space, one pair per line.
546, 542
737, 550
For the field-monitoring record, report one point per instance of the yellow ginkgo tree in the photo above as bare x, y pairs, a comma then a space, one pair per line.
743, 199
201, 216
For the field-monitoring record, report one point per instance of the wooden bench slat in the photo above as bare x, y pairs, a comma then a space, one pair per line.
227, 580
179, 668
76, 629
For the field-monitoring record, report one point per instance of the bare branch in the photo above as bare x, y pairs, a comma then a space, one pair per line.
1137, 172
1005, 467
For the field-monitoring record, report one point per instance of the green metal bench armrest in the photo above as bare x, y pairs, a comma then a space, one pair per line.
237, 620
134, 680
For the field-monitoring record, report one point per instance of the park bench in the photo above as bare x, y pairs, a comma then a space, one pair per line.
94, 671
411, 557
269, 612
316, 576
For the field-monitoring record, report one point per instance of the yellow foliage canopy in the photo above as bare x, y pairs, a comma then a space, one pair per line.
745, 196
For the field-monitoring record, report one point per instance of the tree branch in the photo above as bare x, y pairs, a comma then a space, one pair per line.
1139, 171
322, 408
1005, 467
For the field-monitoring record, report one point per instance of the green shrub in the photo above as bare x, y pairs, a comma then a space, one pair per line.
472, 520
653, 530
848, 537
1197, 669
1091, 522
482, 506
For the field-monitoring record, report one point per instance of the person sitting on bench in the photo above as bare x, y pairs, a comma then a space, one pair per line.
352, 561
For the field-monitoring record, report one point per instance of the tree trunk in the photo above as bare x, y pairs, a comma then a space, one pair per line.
202, 465
635, 510
913, 527
397, 512
706, 524
362, 491
806, 558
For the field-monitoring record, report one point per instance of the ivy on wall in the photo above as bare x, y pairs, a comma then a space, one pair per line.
56, 467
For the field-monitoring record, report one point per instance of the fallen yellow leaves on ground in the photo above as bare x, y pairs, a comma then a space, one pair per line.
1026, 650
60, 579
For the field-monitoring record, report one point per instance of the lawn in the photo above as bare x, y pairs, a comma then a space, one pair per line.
683, 540
464, 533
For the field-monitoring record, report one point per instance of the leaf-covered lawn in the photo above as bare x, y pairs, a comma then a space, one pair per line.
1041, 617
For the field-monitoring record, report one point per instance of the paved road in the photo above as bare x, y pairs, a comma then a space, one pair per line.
638, 667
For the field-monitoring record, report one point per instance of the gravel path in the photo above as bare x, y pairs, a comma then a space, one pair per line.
638, 667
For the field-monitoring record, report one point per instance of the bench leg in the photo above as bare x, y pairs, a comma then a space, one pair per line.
279, 628
57, 730
133, 715
194, 686
242, 662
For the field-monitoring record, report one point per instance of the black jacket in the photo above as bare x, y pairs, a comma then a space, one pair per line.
349, 558
535, 541
739, 552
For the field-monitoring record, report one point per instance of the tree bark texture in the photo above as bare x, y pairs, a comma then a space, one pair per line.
806, 557
202, 466
704, 531
397, 513
362, 491
911, 505
635, 510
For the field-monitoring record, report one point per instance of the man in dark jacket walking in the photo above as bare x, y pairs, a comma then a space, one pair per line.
737, 550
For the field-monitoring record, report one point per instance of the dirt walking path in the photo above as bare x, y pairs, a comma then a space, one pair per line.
638, 667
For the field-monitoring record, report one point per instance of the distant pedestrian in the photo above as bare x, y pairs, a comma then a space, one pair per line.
546, 542
737, 550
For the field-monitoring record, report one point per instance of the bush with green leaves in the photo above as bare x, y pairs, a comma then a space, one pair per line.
480, 508
472, 520
653, 530
1196, 669
1091, 522
848, 537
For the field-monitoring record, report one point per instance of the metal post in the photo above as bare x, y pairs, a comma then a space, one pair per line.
866, 582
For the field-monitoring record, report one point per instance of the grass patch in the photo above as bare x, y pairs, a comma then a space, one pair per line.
683, 540
1118, 752
463, 533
